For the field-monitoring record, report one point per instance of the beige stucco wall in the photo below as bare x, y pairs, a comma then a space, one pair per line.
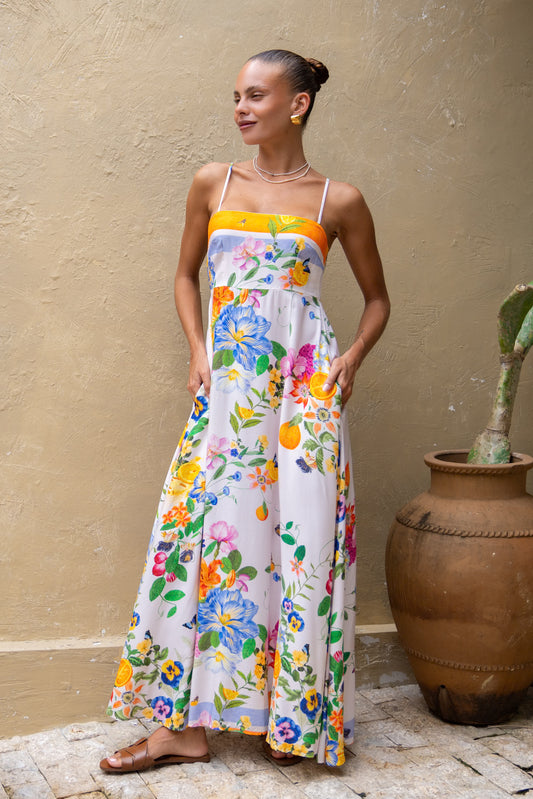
107, 109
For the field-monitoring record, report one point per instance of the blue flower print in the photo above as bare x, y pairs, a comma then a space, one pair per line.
198, 491
332, 755
199, 407
231, 378
171, 672
241, 330
135, 619
310, 704
162, 707
296, 622
230, 615
287, 604
287, 731
186, 555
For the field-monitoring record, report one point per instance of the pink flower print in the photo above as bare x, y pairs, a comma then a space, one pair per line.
204, 719
293, 364
254, 297
248, 251
224, 534
242, 582
306, 352
215, 448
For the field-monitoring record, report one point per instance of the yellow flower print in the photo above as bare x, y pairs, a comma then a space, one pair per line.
299, 657
229, 694
277, 664
274, 402
258, 670
299, 750
263, 440
188, 472
300, 244
300, 273
260, 684
269, 248
145, 646
245, 721
272, 471
148, 713
261, 657
175, 721
330, 465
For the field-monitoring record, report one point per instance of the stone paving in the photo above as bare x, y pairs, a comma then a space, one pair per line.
401, 752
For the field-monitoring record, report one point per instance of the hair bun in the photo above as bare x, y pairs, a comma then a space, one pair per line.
320, 71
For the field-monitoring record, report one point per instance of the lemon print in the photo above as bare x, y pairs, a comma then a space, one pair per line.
315, 386
125, 670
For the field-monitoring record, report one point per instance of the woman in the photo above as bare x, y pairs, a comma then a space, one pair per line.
245, 614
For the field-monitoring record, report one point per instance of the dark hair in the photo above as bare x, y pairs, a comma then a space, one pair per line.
303, 74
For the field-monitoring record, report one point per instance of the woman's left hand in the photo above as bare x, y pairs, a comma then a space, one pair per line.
342, 371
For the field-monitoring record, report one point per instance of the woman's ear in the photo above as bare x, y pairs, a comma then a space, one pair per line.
300, 103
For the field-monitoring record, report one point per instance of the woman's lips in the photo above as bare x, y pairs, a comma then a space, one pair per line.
245, 125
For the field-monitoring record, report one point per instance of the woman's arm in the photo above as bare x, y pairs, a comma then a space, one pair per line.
355, 231
187, 285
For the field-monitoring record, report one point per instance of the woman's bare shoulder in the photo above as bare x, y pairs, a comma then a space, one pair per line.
210, 175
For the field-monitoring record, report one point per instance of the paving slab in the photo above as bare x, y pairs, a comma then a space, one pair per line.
400, 751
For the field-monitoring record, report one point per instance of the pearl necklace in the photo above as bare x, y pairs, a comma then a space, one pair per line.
259, 171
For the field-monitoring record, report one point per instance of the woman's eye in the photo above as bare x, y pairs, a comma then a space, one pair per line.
256, 96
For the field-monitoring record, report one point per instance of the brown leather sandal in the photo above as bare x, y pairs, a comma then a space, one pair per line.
137, 758
288, 760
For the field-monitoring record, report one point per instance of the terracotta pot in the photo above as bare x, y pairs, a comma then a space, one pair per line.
459, 566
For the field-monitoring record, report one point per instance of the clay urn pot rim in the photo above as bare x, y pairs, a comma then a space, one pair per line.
454, 461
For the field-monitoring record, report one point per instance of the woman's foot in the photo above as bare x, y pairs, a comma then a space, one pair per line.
163, 747
280, 758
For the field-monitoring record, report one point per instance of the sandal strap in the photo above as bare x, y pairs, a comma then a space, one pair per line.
136, 756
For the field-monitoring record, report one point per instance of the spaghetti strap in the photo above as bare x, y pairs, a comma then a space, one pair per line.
225, 187
319, 220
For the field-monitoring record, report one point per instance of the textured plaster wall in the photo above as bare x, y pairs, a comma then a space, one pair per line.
106, 111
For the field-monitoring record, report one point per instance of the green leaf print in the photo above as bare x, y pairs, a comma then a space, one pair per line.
157, 588
219, 472
272, 227
296, 420
249, 571
171, 612
299, 553
207, 640
235, 558
278, 350
263, 362
252, 422
320, 460
209, 549
288, 539
234, 423
218, 357
232, 278
227, 357
263, 633
253, 272
336, 635
135, 661
173, 596
248, 648
257, 462
324, 606
218, 704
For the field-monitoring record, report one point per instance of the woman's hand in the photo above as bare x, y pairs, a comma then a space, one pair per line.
199, 374
343, 370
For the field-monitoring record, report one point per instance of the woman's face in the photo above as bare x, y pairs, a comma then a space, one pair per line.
264, 102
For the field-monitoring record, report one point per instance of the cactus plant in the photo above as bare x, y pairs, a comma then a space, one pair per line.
515, 335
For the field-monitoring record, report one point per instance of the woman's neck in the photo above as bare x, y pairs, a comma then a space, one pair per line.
281, 161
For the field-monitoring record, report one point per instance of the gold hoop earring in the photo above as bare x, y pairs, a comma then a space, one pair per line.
296, 119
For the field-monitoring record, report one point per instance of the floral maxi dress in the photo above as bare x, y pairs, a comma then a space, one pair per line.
245, 617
